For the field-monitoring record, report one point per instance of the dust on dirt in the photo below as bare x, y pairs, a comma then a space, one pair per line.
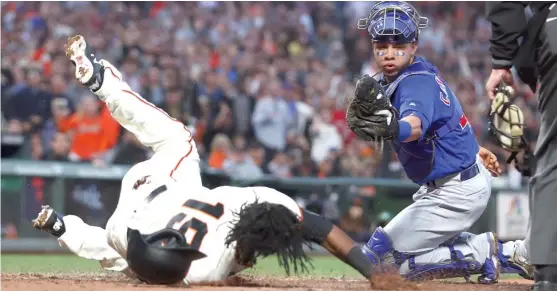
113, 282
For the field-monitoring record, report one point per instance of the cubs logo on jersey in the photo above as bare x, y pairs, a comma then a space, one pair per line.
443, 95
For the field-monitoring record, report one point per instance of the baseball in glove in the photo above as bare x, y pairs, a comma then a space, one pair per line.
370, 114
507, 127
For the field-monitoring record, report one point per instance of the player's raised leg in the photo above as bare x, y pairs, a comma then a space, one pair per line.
175, 151
86, 241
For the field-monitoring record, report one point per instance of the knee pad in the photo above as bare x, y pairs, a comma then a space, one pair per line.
378, 246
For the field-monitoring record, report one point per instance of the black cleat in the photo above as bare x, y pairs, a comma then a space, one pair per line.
48, 220
88, 69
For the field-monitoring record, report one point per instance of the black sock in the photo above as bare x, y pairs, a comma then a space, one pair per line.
96, 81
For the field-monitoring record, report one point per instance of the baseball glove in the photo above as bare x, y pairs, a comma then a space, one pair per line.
507, 127
370, 114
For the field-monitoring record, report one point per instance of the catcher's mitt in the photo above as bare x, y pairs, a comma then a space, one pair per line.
507, 127
370, 114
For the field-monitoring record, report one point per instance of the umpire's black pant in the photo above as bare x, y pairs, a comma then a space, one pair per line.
543, 185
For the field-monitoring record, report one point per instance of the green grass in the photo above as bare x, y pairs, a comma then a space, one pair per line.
323, 265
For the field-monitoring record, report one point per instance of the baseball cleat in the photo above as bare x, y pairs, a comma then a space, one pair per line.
521, 266
88, 69
48, 220
491, 268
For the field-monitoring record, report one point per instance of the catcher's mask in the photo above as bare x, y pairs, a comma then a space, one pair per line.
506, 125
154, 263
393, 21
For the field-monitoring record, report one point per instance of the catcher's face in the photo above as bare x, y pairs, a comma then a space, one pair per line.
392, 58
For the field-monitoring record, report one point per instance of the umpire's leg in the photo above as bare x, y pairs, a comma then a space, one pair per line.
543, 187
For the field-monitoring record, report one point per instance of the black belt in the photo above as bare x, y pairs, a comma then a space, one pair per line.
466, 174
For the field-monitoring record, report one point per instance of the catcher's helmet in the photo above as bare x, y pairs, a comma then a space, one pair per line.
153, 263
393, 21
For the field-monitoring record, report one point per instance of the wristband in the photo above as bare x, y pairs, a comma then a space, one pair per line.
404, 130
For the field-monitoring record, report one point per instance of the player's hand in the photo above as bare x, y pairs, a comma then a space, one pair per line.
489, 160
497, 77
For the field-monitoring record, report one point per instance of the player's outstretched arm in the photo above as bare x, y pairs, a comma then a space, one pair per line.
337, 242
263, 229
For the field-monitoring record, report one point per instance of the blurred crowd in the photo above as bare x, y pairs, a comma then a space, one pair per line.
262, 85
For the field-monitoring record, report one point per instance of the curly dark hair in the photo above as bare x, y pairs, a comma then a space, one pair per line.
263, 229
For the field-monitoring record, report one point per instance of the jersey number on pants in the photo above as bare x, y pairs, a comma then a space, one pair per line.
200, 227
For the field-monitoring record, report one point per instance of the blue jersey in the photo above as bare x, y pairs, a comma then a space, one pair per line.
447, 145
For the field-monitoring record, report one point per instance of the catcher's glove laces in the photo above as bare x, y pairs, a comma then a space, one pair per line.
506, 126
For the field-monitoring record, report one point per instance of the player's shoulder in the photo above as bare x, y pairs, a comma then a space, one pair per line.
418, 84
422, 80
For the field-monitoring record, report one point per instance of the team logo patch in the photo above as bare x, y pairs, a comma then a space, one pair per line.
463, 121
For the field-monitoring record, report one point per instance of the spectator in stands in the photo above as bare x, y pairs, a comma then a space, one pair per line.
27, 104
354, 221
305, 166
130, 151
59, 148
37, 149
270, 120
92, 129
220, 149
301, 58
280, 166
244, 165
175, 105
324, 137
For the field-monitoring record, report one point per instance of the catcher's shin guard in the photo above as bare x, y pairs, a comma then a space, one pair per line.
459, 265
378, 246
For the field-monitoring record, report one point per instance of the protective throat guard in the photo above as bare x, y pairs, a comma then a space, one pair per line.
506, 126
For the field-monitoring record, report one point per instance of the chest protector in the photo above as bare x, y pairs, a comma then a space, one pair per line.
418, 157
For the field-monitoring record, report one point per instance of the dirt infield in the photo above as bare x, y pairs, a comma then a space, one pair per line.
113, 282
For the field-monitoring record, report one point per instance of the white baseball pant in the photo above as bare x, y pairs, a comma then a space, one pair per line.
175, 160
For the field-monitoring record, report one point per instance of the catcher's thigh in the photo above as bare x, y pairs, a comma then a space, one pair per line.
438, 214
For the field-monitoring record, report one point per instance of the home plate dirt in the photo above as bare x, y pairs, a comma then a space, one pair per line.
113, 282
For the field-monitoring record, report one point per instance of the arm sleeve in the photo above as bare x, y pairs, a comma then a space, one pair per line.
508, 22
417, 95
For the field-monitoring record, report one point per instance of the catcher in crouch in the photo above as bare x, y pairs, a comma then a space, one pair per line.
167, 227
413, 108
